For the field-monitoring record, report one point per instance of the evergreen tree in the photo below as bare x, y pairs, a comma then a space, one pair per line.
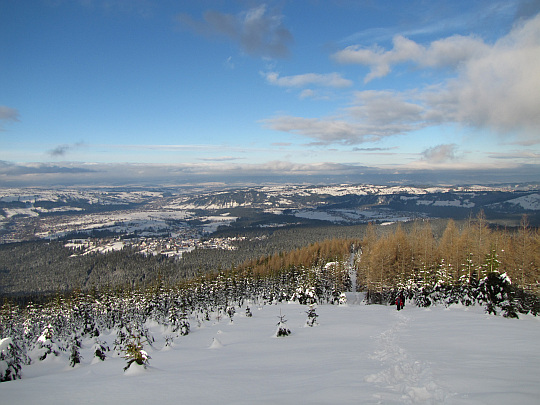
46, 345
248, 312
312, 316
184, 324
282, 330
75, 355
11, 360
99, 349
134, 352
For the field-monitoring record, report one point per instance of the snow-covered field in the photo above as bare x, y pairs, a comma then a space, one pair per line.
352, 216
357, 354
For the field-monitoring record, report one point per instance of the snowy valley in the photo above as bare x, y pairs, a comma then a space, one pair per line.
33, 213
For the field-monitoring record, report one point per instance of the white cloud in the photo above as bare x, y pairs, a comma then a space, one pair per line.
307, 93
307, 79
500, 90
521, 155
447, 52
384, 108
219, 159
440, 153
494, 87
373, 116
326, 131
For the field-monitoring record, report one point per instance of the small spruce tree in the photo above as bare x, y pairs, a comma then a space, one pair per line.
46, 345
11, 359
248, 312
282, 330
230, 312
134, 352
99, 349
312, 316
75, 355
184, 324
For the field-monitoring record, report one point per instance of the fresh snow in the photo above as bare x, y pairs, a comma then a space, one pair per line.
362, 354
352, 216
528, 202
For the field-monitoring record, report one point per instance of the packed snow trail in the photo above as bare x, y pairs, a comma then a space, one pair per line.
402, 379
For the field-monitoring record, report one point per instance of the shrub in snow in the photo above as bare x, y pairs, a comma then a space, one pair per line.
119, 342
99, 349
75, 355
248, 312
179, 321
282, 330
230, 312
342, 299
496, 292
169, 339
305, 295
11, 360
312, 316
134, 352
184, 324
467, 292
527, 302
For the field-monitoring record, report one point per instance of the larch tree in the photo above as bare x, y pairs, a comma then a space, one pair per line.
423, 251
450, 252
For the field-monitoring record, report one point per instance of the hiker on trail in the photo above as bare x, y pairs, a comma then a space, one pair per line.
400, 301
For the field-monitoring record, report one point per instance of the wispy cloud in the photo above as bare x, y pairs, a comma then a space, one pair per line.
259, 31
326, 130
448, 52
522, 155
219, 159
308, 79
372, 116
440, 153
373, 149
8, 114
422, 171
62, 150
8, 169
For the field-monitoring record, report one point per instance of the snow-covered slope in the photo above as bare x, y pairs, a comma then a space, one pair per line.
527, 202
357, 354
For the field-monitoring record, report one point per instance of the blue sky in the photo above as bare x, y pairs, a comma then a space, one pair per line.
113, 91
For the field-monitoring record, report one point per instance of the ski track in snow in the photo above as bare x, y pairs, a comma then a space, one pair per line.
403, 379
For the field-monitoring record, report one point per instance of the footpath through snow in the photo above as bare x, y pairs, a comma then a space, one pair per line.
358, 354
402, 377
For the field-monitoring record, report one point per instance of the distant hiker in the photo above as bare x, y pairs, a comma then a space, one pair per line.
400, 301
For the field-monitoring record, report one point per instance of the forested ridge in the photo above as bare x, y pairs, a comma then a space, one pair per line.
39, 267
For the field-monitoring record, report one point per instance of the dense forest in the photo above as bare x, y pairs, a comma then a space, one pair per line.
41, 267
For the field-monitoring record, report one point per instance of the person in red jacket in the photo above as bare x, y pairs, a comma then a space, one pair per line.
400, 301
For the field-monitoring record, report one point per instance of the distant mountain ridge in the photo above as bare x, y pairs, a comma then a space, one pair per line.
27, 213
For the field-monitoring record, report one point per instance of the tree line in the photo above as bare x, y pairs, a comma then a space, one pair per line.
459, 255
